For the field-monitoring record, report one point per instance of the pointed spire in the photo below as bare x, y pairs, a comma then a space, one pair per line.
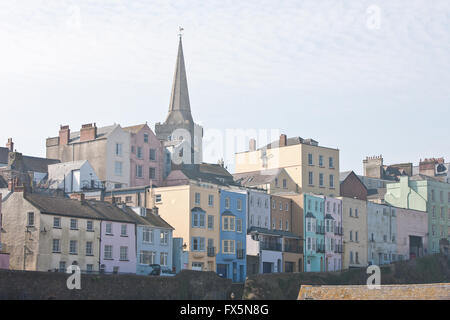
179, 108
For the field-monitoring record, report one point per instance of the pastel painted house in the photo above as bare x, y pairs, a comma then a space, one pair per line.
231, 257
314, 254
74, 176
333, 234
154, 241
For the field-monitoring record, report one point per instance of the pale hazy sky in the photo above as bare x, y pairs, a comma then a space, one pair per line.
330, 70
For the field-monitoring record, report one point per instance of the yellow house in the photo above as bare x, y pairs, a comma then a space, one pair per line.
191, 204
354, 220
312, 167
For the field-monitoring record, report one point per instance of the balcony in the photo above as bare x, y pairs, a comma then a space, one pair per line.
338, 231
338, 248
211, 251
92, 185
240, 254
320, 229
320, 248
293, 249
271, 246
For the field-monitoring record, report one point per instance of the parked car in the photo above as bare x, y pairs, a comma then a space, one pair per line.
168, 272
156, 270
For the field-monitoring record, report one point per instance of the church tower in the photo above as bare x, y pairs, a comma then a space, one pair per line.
180, 135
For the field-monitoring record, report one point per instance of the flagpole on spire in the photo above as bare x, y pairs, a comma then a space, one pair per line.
180, 34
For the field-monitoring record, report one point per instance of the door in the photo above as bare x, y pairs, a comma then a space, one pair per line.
267, 267
241, 273
308, 265
222, 270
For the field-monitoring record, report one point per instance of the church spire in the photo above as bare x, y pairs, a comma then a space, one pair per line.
179, 108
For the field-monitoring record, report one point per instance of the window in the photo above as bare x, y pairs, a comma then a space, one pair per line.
198, 219
147, 235
158, 198
123, 254
276, 182
331, 181
350, 212
228, 246
107, 254
147, 257
310, 159
238, 225
284, 183
73, 224
356, 212
118, 149
310, 178
89, 268
197, 198
321, 161
330, 162
198, 244
351, 256
56, 222
441, 196
351, 235
146, 137
239, 204
132, 149
108, 228
163, 258
281, 225
258, 201
89, 248
434, 211
281, 206
138, 171
211, 200
152, 154
432, 195
210, 222
56, 246
228, 223
73, 247
62, 266
287, 225
356, 257
30, 219
139, 152
321, 179
118, 168
152, 173
123, 230
164, 238
442, 212
385, 238
89, 225
274, 204
356, 236
259, 221
266, 203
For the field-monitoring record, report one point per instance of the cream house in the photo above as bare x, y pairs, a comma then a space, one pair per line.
312, 167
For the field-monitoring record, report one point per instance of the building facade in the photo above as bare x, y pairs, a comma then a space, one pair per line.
231, 255
382, 233
333, 234
314, 231
412, 233
423, 193
74, 176
4, 255
312, 167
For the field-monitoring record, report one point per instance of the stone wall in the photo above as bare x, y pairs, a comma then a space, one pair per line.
189, 285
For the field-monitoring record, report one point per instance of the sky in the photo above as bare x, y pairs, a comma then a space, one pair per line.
367, 77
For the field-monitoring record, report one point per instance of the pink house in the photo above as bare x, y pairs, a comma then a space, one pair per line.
147, 157
4, 256
412, 233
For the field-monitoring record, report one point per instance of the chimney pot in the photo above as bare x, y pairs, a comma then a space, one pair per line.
88, 132
10, 145
64, 135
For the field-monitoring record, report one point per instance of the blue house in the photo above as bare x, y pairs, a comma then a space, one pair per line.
314, 232
154, 241
231, 258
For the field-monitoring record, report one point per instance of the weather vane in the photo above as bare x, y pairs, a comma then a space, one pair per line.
181, 31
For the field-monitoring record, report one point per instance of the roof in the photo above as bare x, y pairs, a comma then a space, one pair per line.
420, 177
4, 155
3, 183
278, 233
156, 220
102, 133
205, 172
344, 175
88, 209
256, 178
134, 129
309, 215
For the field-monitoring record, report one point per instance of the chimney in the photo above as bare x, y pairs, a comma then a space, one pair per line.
77, 196
64, 135
283, 140
88, 132
10, 145
252, 145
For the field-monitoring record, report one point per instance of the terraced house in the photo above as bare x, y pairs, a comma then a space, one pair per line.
314, 231
427, 194
231, 256
333, 234
191, 204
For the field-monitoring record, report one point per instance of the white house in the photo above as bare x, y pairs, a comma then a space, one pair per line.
73, 176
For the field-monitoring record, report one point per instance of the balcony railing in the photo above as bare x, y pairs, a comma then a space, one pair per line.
293, 249
338, 231
320, 248
240, 253
320, 229
211, 251
92, 185
338, 248
271, 246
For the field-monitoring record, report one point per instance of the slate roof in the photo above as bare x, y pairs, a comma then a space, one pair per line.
135, 129
212, 173
34, 164
256, 178
156, 221
4, 155
279, 233
102, 133
344, 175
290, 142
419, 177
